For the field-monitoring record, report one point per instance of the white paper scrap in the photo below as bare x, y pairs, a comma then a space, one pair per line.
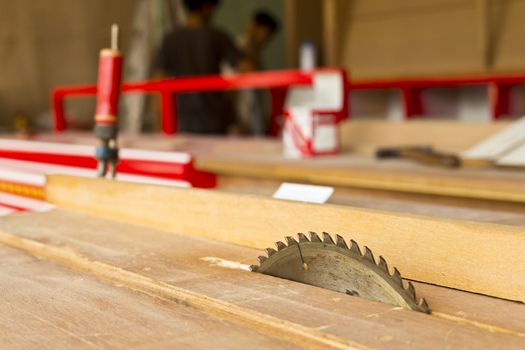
303, 193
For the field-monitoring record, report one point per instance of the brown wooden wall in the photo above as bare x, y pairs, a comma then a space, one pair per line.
385, 38
46, 43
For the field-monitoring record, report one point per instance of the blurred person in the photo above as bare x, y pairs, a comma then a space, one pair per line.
253, 117
259, 31
199, 48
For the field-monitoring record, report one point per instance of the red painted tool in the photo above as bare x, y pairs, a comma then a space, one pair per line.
106, 116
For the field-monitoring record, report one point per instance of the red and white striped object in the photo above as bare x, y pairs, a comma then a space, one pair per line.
307, 133
135, 165
10, 204
313, 115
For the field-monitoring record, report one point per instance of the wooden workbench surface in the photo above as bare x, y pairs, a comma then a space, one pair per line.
251, 165
355, 167
71, 304
48, 306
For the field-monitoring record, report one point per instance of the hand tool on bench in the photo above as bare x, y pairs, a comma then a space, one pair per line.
333, 265
106, 116
423, 154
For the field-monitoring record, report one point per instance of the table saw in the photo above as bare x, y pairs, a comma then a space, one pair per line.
113, 264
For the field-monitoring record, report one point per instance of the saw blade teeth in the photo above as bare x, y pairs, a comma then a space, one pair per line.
355, 247
302, 238
397, 277
280, 245
369, 255
382, 264
271, 265
314, 237
270, 251
291, 241
423, 306
340, 241
327, 238
411, 290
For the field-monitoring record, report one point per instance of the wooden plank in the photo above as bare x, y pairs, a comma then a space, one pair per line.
515, 158
177, 260
290, 32
438, 207
365, 172
499, 144
303, 22
365, 136
48, 306
509, 29
494, 315
44, 52
399, 38
456, 254
330, 28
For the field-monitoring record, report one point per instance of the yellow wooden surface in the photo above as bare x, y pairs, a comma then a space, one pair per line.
46, 305
169, 267
478, 257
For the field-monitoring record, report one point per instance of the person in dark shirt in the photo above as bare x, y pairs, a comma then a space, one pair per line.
252, 104
196, 49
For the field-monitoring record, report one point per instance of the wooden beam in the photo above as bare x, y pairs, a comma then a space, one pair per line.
364, 172
460, 319
330, 32
409, 203
486, 47
477, 257
365, 136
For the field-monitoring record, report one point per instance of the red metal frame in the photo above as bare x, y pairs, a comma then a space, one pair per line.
499, 90
277, 82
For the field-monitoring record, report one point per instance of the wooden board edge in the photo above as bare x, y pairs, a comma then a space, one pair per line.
477, 257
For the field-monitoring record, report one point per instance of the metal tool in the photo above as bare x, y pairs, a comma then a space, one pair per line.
422, 154
333, 265
106, 116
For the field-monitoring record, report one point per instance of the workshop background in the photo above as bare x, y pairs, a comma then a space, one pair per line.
262, 174
56, 42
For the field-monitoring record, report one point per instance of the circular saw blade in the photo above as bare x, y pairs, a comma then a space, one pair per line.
334, 265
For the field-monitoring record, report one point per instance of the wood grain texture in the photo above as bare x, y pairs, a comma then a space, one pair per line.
38, 53
515, 158
478, 257
365, 172
262, 323
176, 260
402, 38
433, 206
365, 136
48, 306
499, 144
509, 29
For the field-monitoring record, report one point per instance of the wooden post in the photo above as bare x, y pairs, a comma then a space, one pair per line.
330, 32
